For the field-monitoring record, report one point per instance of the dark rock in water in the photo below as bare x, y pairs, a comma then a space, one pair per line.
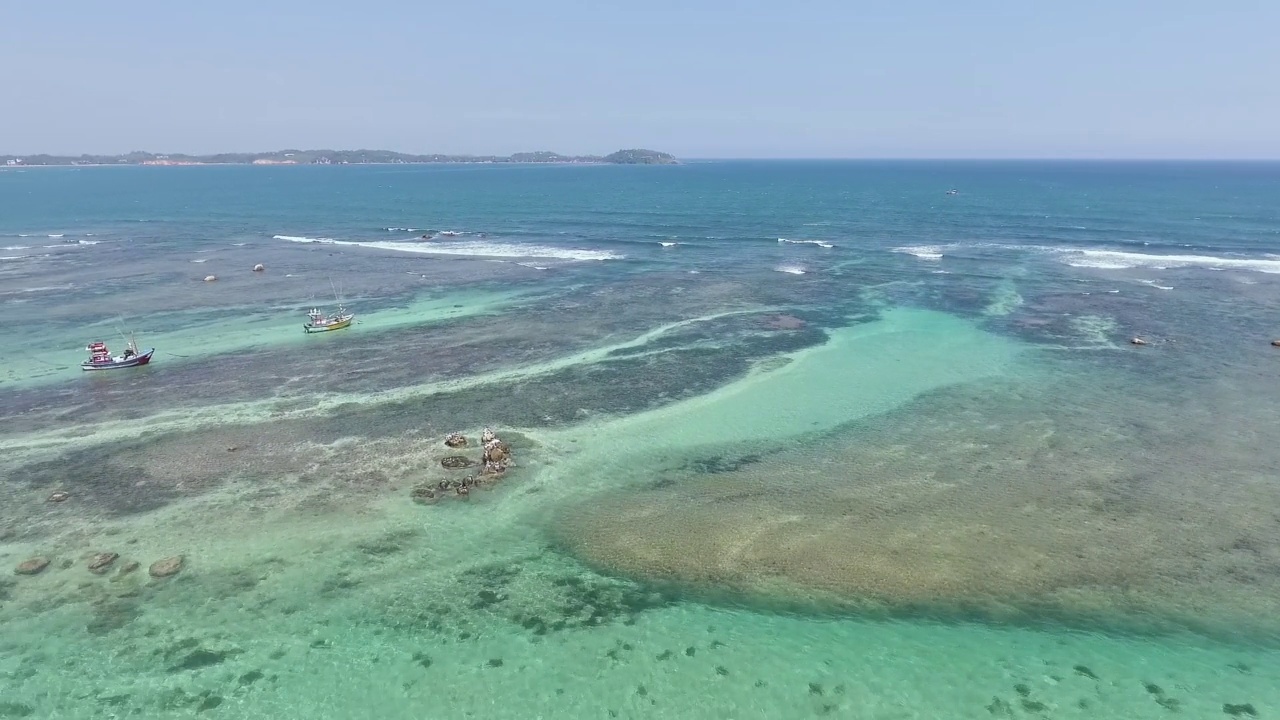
112, 615
1085, 671
102, 562
59, 496
456, 440
424, 495
1245, 709
32, 566
129, 567
785, 322
16, 710
456, 462
198, 659
166, 567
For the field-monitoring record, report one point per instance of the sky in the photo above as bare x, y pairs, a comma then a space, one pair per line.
709, 79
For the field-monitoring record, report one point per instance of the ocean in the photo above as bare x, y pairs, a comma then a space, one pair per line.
783, 440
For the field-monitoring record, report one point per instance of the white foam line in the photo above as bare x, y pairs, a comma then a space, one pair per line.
468, 248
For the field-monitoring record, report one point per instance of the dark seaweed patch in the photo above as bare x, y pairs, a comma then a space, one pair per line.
389, 544
114, 700
338, 584
111, 615
487, 598
199, 659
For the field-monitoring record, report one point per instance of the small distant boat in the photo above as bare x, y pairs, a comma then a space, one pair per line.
953, 192
100, 357
319, 322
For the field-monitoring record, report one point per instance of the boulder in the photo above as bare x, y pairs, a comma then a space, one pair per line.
32, 566
457, 462
101, 562
166, 567
456, 440
59, 496
424, 495
487, 436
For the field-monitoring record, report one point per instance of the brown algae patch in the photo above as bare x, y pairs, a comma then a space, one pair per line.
982, 501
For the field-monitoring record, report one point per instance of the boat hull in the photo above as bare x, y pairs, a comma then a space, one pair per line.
118, 363
337, 325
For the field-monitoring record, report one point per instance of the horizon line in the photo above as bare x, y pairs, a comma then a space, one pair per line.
690, 158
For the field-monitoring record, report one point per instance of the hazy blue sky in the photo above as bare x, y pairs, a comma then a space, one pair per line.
911, 78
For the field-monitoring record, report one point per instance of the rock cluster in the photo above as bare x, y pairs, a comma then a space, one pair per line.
496, 458
102, 563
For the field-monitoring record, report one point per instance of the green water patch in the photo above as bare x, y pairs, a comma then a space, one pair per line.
198, 335
862, 370
338, 656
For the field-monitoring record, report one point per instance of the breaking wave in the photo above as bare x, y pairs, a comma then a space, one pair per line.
924, 252
1118, 260
819, 243
791, 269
475, 248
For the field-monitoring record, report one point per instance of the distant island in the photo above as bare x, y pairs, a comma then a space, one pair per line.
337, 157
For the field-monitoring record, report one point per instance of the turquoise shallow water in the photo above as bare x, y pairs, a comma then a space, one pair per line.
789, 440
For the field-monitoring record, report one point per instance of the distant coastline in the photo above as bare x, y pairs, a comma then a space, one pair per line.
337, 157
